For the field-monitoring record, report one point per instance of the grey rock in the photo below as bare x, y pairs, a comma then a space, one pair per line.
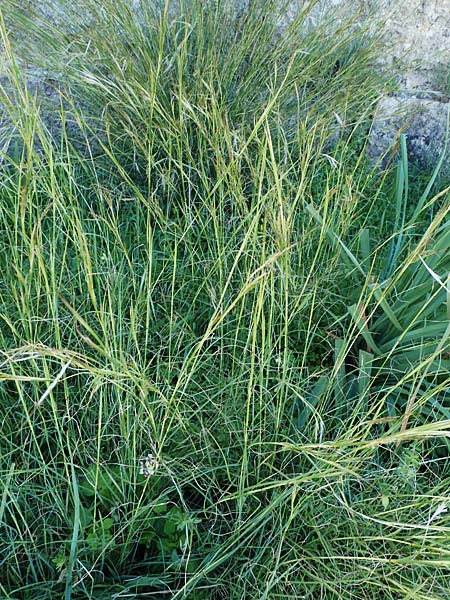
416, 37
423, 121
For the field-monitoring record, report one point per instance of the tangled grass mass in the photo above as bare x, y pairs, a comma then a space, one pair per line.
224, 335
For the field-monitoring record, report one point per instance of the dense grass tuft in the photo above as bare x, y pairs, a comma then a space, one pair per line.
224, 341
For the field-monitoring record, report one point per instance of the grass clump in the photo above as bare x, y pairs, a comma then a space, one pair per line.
190, 407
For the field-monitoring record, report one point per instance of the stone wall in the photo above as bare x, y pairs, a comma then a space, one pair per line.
416, 35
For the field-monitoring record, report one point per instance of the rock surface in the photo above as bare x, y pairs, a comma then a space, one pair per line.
423, 121
416, 35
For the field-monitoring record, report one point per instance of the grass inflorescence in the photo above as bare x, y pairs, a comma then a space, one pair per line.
224, 340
